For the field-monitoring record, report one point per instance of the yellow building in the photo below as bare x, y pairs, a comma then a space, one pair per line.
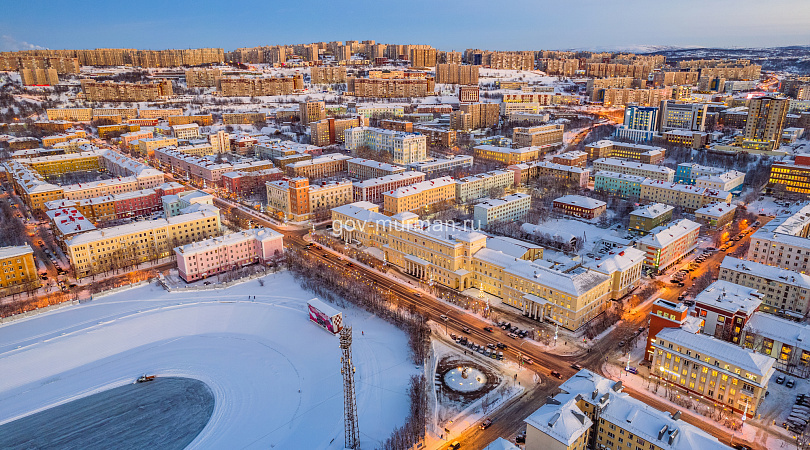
72, 114
62, 164
18, 266
540, 136
159, 113
506, 155
420, 195
125, 245
721, 372
147, 147
593, 412
243, 118
124, 113
687, 196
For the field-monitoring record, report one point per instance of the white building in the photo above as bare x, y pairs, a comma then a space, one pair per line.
187, 131
665, 246
508, 208
784, 292
479, 185
405, 148
726, 181
434, 166
652, 171
783, 242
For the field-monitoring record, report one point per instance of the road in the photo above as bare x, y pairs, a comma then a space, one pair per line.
507, 420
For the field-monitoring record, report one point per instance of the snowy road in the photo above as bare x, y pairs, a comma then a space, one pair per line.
275, 376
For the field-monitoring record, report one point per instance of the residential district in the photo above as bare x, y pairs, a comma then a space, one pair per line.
610, 250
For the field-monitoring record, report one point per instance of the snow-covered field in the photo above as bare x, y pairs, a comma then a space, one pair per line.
275, 376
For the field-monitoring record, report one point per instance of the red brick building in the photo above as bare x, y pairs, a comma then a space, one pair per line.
580, 206
242, 183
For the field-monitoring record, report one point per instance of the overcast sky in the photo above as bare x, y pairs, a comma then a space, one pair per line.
447, 25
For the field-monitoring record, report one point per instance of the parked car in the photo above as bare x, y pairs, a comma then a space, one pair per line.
780, 379
454, 446
466, 330
790, 383
512, 335
631, 369
576, 367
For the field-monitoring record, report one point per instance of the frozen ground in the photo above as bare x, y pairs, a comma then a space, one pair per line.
275, 376
175, 410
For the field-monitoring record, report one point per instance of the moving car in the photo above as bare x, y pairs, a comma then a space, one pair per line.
486, 423
556, 374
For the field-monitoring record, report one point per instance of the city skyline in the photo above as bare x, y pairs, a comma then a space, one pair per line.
532, 25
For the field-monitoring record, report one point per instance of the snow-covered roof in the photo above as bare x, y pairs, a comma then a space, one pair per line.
705, 345
420, 187
621, 176
575, 284
323, 307
687, 188
717, 209
14, 251
402, 176
662, 236
774, 273
146, 225
494, 148
360, 211
652, 210
253, 234
564, 422
619, 164
501, 444
795, 334
488, 203
550, 165
730, 297
375, 164
620, 260
580, 200
69, 221
325, 159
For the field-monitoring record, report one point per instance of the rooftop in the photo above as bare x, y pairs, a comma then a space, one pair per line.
652, 210
765, 271
755, 363
769, 326
580, 200
634, 165
69, 221
376, 164
730, 297
253, 234
15, 250
662, 236
489, 203
420, 187
402, 176
717, 209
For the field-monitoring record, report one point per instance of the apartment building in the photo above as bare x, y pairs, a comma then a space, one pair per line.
601, 70
618, 184
784, 340
404, 147
641, 97
205, 169
278, 149
311, 111
457, 74
203, 259
419, 195
147, 146
244, 118
432, 167
595, 87
592, 412
783, 242
39, 77
260, 86
648, 217
509, 208
158, 113
397, 125
716, 215
112, 131
202, 77
71, 114
646, 154
667, 245
243, 184
364, 169
371, 190
524, 172
468, 94
297, 200
724, 308
726, 374
480, 185
380, 110
327, 75
580, 206
69, 135
331, 131
677, 115
689, 197
765, 122
109, 91
482, 115
21, 60
18, 266
320, 167
683, 138
438, 136
500, 59
202, 120
783, 292
790, 177
507, 155
390, 87
186, 132
652, 171
125, 245
543, 136
573, 158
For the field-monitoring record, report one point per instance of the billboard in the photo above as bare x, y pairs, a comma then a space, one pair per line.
325, 316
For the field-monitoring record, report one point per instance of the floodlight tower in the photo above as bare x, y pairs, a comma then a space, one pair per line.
352, 429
